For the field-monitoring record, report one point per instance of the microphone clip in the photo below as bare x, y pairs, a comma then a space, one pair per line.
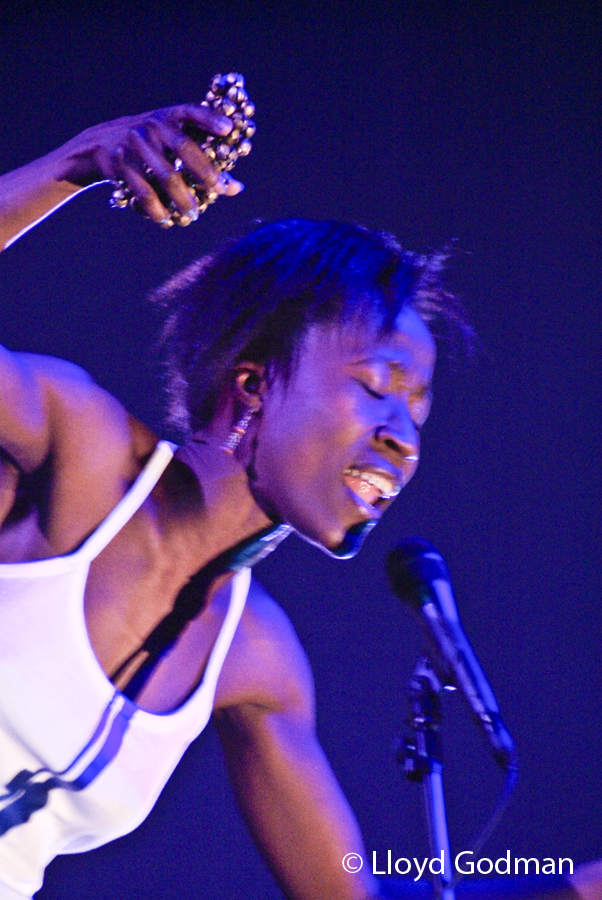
422, 753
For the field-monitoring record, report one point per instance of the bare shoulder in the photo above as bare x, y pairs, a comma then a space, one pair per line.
48, 404
57, 422
267, 667
91, 428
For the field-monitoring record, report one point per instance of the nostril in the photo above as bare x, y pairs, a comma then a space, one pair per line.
397, 445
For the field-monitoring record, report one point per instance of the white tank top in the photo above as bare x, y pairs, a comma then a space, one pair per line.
80, 764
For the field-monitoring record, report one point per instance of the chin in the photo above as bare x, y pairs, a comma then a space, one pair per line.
351, 543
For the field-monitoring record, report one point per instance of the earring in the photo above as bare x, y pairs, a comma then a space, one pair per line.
238, 432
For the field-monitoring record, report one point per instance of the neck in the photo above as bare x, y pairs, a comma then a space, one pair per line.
224, 515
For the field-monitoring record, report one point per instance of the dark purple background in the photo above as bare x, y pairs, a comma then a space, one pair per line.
476, 121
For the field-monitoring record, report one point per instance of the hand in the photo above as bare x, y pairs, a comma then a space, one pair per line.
139, 150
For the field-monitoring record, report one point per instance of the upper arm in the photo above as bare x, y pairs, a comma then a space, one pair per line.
24, 423
266, 670
48, 405
284, 783
55, 421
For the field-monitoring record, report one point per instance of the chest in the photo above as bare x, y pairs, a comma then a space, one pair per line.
152, 630
131, 595
60, 714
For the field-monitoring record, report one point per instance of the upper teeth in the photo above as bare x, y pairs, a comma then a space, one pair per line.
386, 486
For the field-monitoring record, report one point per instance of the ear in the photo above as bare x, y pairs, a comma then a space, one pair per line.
250, 384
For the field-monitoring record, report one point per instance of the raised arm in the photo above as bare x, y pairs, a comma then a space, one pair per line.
56, 421
286, 789
125, 149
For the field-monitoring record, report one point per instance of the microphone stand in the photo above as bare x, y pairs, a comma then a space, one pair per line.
423, 763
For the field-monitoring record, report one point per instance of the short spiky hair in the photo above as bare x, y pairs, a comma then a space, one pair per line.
256, 298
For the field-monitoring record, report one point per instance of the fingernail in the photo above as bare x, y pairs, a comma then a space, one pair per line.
167, 222
193, 214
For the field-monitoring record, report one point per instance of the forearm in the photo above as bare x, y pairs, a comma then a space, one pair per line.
29, 194
136, 150
587, 880
296, 812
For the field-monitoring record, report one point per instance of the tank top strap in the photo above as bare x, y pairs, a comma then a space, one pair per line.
238, 597
130, 503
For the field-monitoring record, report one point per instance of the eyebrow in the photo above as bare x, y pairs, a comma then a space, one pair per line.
396, 367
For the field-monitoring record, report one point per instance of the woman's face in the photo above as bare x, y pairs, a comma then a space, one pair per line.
336, 444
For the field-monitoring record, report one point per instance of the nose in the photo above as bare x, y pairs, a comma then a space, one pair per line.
402, 448
399, 438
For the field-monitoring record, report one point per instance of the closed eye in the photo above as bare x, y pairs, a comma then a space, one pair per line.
370, 391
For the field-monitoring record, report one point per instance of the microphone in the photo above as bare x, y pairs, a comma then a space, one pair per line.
420, 578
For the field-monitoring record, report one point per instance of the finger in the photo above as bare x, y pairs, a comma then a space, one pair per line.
191, 155
201, 116
172, 183
145, 196
232, 186
105, 165
196, 161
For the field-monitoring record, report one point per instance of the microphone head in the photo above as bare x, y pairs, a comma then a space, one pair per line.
412, 566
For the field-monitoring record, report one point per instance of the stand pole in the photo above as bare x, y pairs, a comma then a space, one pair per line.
423, 763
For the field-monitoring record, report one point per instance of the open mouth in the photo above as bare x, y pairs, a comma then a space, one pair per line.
371, 486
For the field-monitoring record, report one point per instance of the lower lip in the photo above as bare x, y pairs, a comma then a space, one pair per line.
362, 489
364, 495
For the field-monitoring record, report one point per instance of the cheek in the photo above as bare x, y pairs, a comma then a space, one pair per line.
304, 441
294, 445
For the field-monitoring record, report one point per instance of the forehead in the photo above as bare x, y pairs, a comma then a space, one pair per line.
409, 347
